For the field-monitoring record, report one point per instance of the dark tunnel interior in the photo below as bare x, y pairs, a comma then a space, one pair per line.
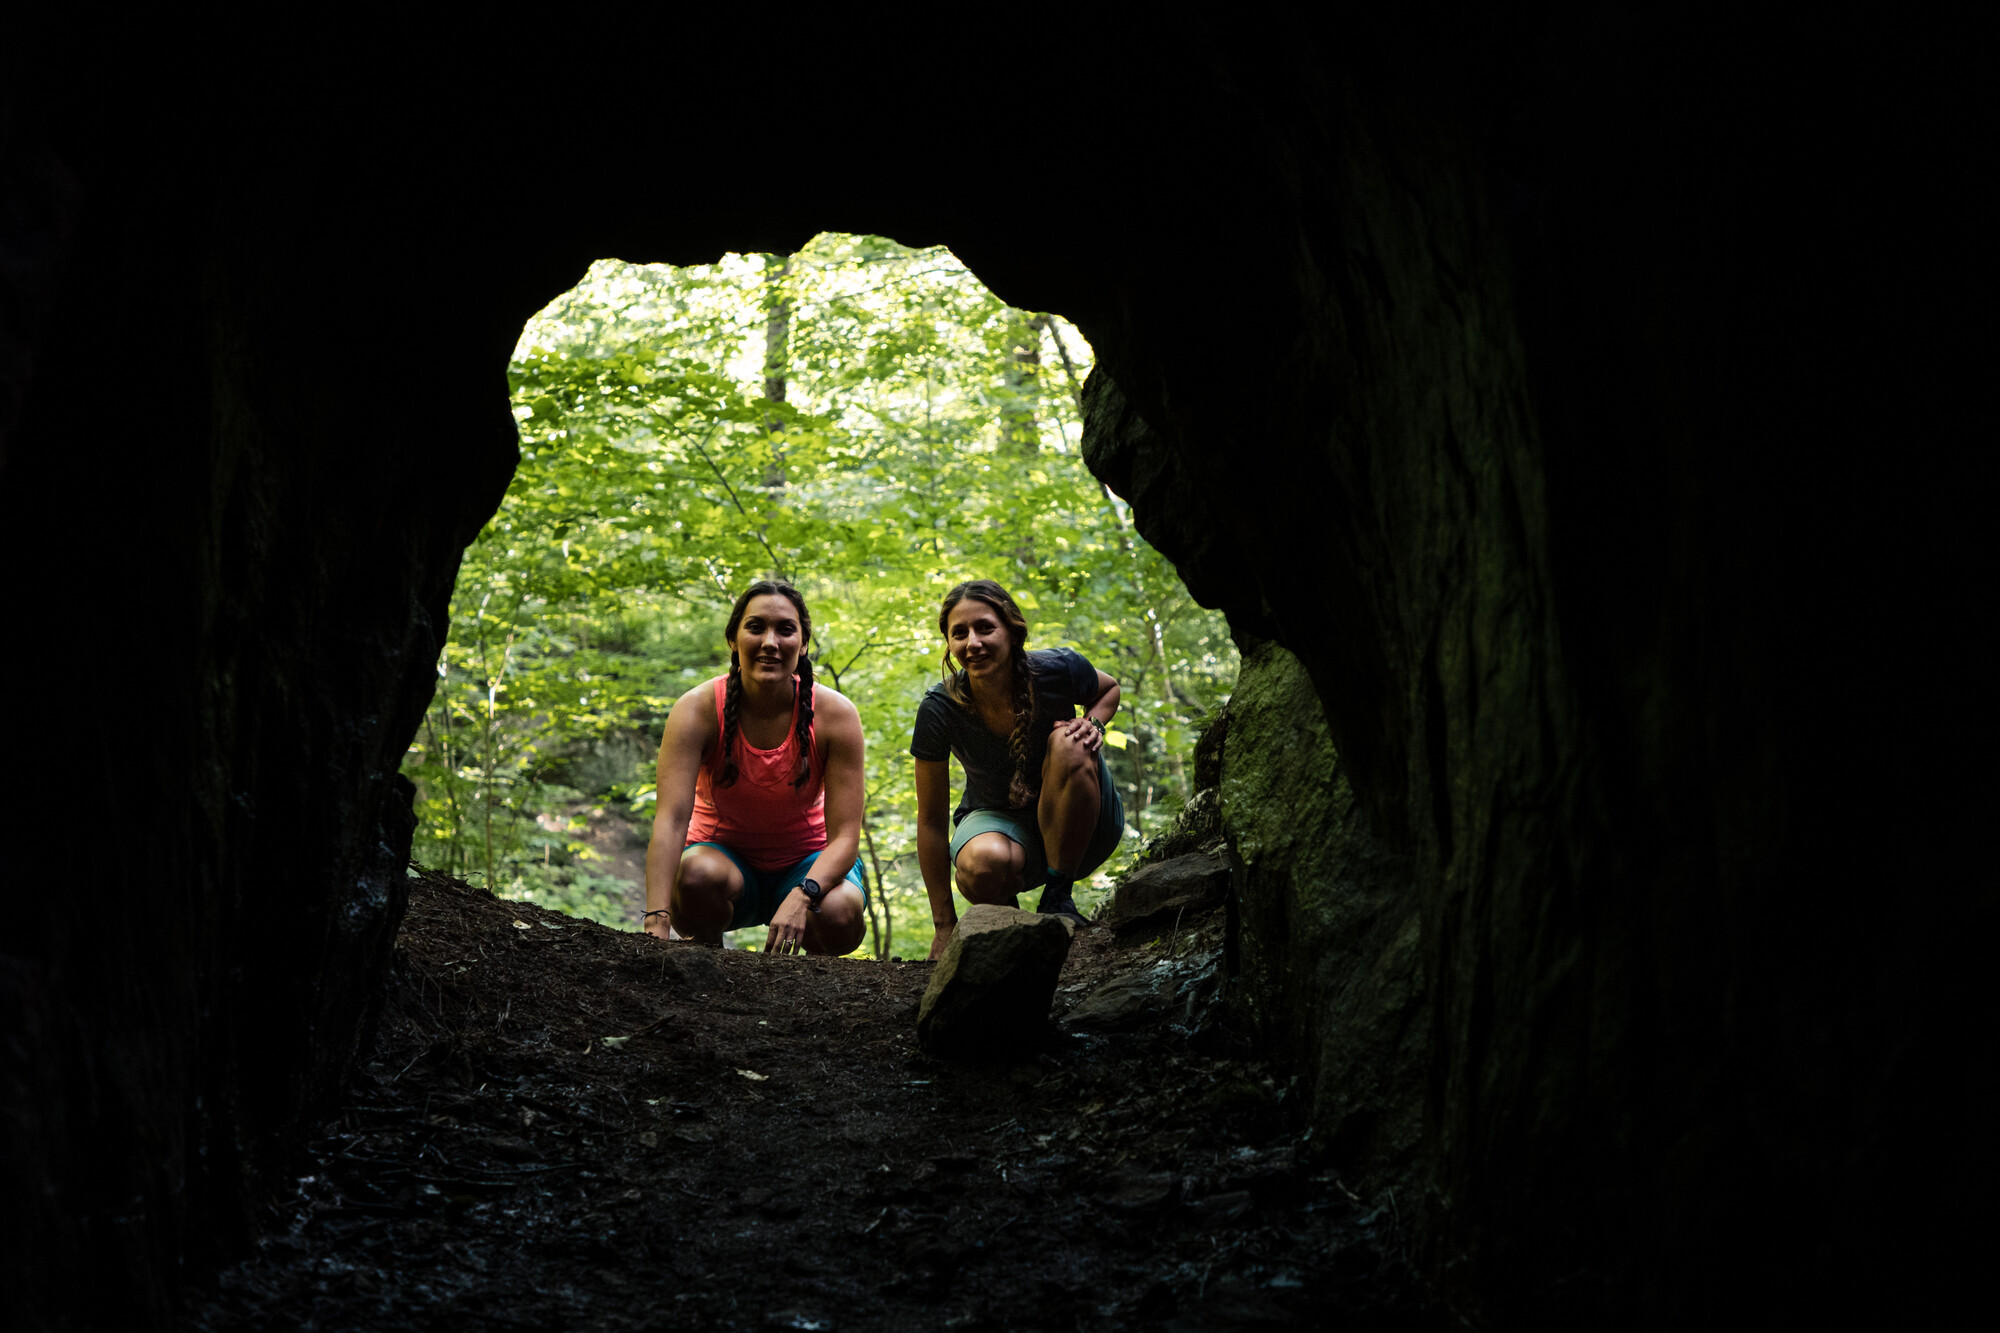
1590, 412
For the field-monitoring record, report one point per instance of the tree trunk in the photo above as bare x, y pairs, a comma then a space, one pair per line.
1020, 428
777, 361
884, 926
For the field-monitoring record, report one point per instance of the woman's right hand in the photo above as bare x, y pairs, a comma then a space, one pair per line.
941, 938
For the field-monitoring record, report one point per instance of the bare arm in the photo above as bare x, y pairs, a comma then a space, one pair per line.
838, 727
690, 731
934, 846
1105, 706
1102, 709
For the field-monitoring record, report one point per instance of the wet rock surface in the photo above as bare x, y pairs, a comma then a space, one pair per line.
990, 991
760, 1144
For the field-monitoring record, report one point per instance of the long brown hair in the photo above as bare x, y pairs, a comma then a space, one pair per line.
732, 695
1025, 786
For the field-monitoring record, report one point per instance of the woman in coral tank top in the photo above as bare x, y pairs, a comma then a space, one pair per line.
760, 789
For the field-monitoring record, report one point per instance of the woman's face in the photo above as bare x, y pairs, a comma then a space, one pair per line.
769, 640
978, 638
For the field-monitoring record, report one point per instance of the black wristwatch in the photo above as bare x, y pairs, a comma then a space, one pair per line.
813, 892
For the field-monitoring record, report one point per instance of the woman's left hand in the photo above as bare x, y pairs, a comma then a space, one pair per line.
1083, 731
788, 925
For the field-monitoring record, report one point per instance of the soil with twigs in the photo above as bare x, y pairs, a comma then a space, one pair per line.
569, 1127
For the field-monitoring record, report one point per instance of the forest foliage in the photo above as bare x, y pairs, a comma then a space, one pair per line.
861, 417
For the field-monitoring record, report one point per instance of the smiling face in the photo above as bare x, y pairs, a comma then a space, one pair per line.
978, 639
768, 642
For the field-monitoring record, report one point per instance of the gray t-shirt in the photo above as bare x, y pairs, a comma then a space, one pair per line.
1063, 679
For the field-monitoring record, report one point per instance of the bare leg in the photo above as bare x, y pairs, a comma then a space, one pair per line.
705, 895
840, 923
1069, 805
990, 866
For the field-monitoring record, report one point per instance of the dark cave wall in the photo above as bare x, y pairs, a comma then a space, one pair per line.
1572, 404
1595, 476
238, 539
256, 306
1379, 509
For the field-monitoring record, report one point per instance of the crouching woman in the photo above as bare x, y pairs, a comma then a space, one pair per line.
760, 788
1039, 808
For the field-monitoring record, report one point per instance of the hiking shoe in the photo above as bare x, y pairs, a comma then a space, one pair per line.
1064, 905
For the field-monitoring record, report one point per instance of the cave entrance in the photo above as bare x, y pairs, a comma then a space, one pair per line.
862, 417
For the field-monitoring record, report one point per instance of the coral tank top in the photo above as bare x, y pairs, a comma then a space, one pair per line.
762, 817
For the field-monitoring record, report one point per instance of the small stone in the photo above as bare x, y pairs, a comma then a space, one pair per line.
1123, 1002
1160, 892
1134, 1191
1223, 1209
799, 1320
508, 1147
990, 992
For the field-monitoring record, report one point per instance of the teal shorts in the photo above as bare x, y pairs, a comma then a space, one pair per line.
763, 890
1025, 829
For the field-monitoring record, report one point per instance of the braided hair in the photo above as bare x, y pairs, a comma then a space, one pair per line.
732, 695
1025, 786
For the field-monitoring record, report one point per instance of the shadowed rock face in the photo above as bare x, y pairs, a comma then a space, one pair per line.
1573, 407
1585, 497
1329, 936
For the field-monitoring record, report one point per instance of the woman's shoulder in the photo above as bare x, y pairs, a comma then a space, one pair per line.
832, 703
937, 708
1052, 661
1064, 673
694, 712
702, 693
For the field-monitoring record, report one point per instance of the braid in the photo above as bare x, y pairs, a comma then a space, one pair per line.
805, 727
732, 710
1026, 783
732, 698
1025, 787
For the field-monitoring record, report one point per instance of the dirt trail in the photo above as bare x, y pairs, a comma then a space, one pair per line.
777, 1154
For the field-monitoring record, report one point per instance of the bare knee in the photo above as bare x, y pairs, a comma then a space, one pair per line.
708, 888
989, 868
1069, 761
839, 925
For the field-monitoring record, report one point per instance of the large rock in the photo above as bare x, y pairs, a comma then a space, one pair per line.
1327, 962
1162, 892
992, 989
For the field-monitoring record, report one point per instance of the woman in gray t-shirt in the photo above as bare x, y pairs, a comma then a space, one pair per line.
1039, 806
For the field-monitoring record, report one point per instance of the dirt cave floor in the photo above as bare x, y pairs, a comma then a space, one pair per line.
767, 1148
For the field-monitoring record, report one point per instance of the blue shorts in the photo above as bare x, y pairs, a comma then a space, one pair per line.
1025, 828
763, 890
